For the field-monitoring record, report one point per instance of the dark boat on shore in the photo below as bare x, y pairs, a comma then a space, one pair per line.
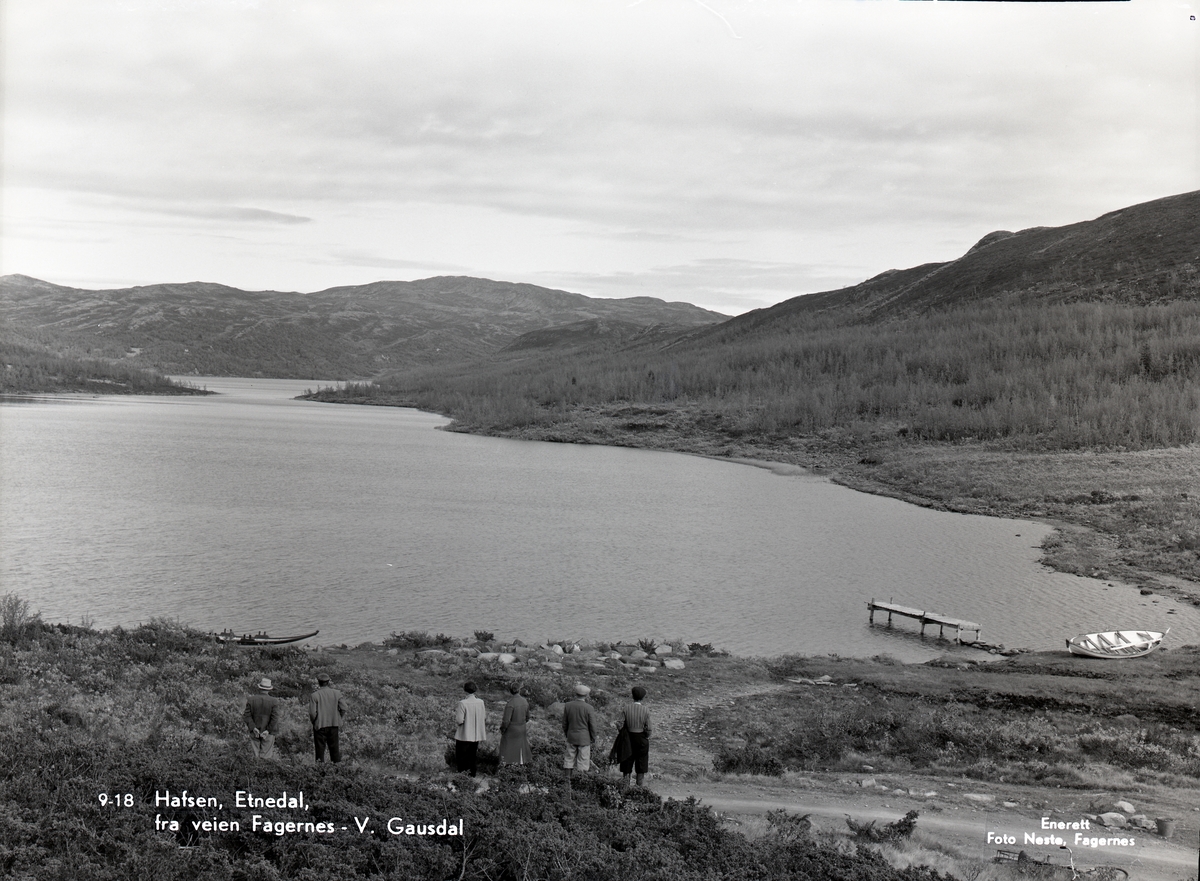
260, 638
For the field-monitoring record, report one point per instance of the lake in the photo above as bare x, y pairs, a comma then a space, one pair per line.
252, 510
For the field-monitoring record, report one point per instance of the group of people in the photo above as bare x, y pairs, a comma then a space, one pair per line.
580, 727
631, 748
326, 707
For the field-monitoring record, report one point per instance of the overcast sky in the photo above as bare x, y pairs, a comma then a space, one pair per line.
731, 153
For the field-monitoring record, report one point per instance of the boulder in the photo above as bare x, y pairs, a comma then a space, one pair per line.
554, 665
506, 659
673, 664
1124, 807
1112, 820
979, 797
638, 655
614, 656
489, 656
647, 669
662, 650
467, 652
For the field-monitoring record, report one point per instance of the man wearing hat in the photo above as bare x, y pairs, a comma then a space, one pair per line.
325, 709
262, 720
636, 720
579, 726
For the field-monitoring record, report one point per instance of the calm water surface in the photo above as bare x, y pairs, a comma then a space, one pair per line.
255, 511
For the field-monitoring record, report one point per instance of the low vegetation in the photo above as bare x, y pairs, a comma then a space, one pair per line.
1065, 723
98, 722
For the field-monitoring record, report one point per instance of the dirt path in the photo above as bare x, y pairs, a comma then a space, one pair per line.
678, 724
958, 814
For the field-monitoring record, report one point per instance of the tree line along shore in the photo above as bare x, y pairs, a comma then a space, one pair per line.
158, 708
1082, 414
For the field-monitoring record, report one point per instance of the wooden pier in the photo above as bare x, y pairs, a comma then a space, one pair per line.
942, 621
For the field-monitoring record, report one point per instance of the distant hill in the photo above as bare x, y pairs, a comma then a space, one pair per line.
341, 332
1082, 336
1147, 253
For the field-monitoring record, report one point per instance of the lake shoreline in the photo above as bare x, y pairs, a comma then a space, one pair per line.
1108, 508
1103, 505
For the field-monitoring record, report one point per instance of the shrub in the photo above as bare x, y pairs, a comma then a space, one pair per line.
902, 828
747, 760
16, 620
416, 639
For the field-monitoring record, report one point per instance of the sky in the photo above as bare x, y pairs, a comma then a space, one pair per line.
728, 153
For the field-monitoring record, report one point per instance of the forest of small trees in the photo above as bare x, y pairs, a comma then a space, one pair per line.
24, 370
1034, 376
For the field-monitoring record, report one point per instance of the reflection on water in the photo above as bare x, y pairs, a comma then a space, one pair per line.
255, 511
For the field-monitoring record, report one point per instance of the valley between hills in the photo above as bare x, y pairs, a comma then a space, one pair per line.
1051, 373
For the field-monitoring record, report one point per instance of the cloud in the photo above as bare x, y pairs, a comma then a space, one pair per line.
232, 213
365, 259
646, 131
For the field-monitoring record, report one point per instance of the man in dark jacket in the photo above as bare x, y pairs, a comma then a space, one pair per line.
326, 709
579, 727
262, 720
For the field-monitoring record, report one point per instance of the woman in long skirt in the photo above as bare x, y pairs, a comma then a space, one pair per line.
514, 745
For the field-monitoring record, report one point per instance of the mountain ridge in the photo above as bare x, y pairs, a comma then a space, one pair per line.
1149, 252
343, 331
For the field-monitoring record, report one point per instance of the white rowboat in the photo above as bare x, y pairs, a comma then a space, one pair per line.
1116, 643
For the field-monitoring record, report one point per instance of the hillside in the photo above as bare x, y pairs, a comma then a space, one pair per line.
341, 332
1147, 253
29, 366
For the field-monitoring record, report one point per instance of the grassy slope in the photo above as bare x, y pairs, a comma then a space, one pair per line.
120, 714
158, 708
